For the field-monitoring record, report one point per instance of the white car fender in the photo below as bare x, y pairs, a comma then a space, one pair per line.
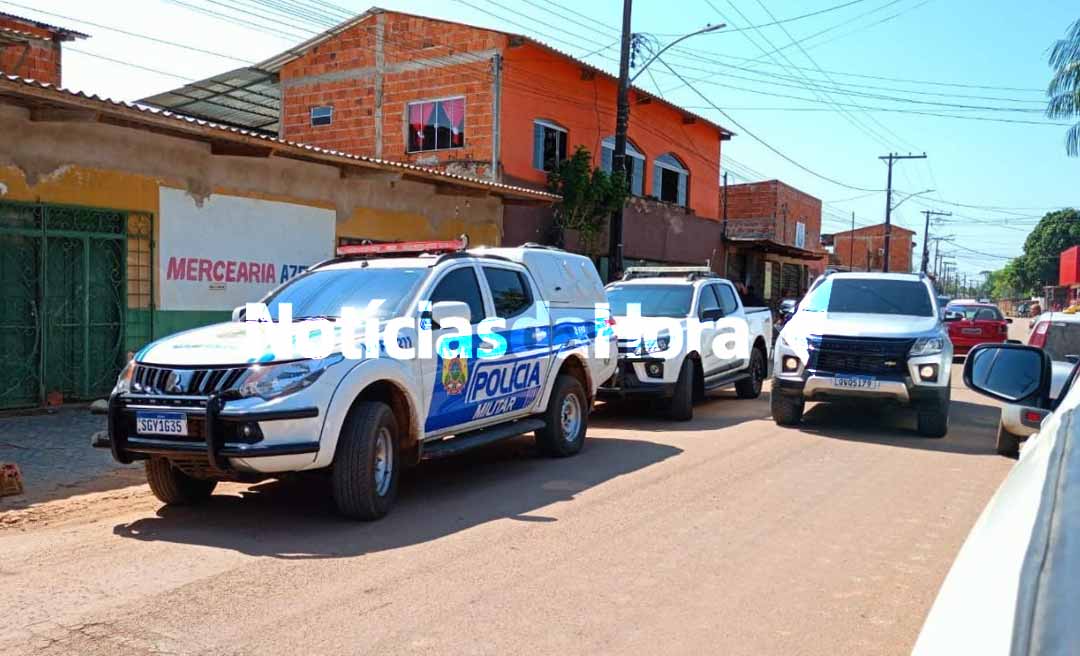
581, 354
361, 376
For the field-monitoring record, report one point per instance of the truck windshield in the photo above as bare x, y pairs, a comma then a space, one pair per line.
871, 296
323, 293
655, 300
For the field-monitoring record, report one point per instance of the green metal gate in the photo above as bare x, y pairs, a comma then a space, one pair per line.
75, 296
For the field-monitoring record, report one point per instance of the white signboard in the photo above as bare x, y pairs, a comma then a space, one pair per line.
800, 235
233, 250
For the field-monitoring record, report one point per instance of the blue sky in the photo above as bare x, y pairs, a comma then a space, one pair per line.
821, 104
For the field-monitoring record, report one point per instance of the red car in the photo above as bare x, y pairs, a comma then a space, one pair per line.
974, 324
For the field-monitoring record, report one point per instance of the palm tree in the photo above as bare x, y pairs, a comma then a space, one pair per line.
1064, 89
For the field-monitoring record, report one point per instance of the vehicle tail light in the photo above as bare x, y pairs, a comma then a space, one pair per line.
1033, 416
610, 321
1038, 336
1004, 328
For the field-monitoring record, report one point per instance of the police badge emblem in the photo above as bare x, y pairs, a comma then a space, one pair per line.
455, 374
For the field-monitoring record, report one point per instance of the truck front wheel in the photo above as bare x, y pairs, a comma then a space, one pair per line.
566, 419
366, 464
786, 410
681, 406
174, 487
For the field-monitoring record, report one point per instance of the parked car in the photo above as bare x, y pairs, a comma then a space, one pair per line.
971, 324
1012, 589
197, 408
870, 336
682, 376
1057, 334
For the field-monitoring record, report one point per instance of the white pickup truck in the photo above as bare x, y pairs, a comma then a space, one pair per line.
206, 405
701, 311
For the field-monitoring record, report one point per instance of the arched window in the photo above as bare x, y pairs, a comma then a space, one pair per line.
670, 179
637, 170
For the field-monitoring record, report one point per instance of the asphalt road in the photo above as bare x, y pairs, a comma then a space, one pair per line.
725, 535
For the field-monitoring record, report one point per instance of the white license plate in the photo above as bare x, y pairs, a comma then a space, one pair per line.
857, 382
161, 423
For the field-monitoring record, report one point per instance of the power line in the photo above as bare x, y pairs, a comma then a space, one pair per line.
127, 33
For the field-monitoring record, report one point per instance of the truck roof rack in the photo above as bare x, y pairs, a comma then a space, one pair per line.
688, 272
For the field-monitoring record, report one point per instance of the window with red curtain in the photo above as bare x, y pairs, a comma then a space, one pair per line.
436, 125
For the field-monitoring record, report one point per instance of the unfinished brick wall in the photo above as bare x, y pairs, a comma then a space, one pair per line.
38, 59
774, 209
863, 248
372, 71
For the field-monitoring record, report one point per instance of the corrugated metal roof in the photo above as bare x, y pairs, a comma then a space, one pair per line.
246, 97
63, 32
17, 87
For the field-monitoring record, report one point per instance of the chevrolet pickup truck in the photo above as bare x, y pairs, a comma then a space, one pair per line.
683, 331
872, 336
215, 404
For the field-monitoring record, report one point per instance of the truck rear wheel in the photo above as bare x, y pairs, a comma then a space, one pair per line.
681, 406
174, 487
566, 419
750, 388
366, 464
786, 410
1008, 445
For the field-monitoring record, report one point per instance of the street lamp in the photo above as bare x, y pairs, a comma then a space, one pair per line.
622, 124
920, 193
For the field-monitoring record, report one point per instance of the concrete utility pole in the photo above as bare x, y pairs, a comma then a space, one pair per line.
851, 260
891, 158
622, 125
926, 237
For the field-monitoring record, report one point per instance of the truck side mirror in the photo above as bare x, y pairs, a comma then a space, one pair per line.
239, 313
444, 310
1012, 373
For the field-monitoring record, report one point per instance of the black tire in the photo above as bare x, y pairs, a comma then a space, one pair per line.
750, 388
1008, 444
933, 420
787, 410
359, 492
681, 405
553, 439
174, 487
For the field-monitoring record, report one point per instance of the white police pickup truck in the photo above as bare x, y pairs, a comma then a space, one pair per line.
514, 342
683, 331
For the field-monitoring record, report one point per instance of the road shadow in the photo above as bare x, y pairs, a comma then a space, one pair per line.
972, 426
295, 518
719, 410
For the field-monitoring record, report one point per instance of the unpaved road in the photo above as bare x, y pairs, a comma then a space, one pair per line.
726, 535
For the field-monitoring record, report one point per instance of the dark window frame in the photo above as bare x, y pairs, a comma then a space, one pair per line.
316, 122
475, 319
546, 162
525, 286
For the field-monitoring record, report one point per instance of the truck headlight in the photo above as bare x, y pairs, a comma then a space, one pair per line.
927, 346
123, 382
272, 381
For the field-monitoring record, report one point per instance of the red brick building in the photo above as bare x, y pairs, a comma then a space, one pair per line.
31, 49
863, 249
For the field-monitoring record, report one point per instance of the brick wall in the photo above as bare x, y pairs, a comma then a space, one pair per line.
773, 209
868, 244
421, 59
38, 60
